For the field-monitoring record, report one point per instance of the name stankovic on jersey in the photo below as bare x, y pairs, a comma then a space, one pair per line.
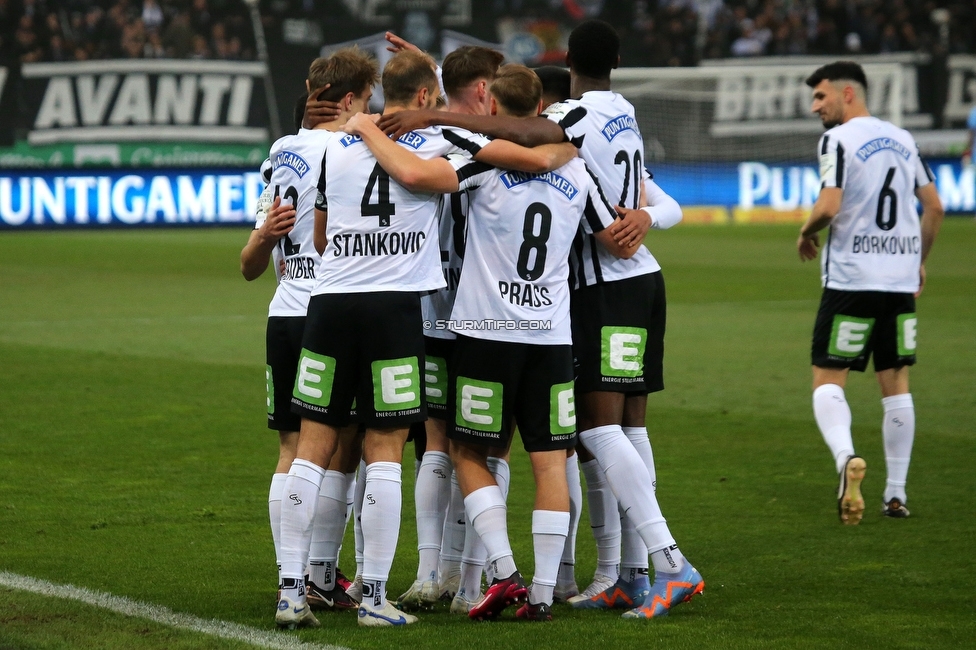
370, 244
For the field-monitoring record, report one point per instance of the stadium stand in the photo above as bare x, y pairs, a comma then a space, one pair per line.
77, 30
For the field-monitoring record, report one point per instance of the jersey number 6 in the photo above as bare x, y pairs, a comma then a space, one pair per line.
887, 222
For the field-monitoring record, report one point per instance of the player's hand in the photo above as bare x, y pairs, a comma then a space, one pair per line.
807, 246
280, 221
631, 228
319, 111
402, 122
397, 44
358, 121
921, 280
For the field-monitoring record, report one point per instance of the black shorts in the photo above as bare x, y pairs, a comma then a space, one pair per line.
493, 381
618, 335
853, 325
438, 361
361, 360
283, 346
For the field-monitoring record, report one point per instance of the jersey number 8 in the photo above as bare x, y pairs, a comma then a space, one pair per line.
532, 242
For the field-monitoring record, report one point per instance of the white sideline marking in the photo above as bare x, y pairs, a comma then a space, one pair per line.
162, 615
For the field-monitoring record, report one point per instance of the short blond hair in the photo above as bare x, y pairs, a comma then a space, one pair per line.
349, 70
405, 74
518, 89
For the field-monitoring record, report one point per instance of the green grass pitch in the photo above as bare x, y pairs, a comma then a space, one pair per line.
134, 457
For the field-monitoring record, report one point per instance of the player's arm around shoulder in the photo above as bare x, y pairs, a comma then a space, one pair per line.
257, 252
408, 169
535, 160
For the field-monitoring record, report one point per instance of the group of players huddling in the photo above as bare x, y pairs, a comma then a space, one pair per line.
482, 271
374, 328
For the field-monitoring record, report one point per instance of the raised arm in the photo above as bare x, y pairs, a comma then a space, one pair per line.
536, 160
409, 170
527, 132
257, 252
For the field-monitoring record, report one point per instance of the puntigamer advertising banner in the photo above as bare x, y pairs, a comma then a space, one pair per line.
750, 191
127, 198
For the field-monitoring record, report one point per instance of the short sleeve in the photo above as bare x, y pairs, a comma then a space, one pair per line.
464, 140
923, 173
569, 117
832, 162
470, 172
320, 201
598, 214
264, 204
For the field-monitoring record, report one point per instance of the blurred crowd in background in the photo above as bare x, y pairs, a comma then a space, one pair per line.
73, 30
655, 32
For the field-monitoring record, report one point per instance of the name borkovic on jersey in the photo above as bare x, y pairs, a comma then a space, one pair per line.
883, 245
375, 244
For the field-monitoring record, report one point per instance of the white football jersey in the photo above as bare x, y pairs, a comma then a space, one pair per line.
875, 241
382, 237
603, 126
296, 163
521, 228
452, 221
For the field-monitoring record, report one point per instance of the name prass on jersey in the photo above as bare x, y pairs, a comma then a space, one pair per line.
524, 294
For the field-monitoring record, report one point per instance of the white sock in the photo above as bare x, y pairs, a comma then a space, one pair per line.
549, 528
432, 492
630, 482
568, 561
898, 429
486, 509
665, 560
642, 443
452, 542
604, 519
472, 562
374, 593
357, 509
299, 498
833, 416
502, 472
330, 519
350, 504
381, 526
633, 552
638, 438
274, 511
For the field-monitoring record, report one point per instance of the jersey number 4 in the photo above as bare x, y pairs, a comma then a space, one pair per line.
383, 209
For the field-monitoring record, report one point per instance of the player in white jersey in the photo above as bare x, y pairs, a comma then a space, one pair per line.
872, 269
297, 166
618, 340
363, 341
283, 232
514, 276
